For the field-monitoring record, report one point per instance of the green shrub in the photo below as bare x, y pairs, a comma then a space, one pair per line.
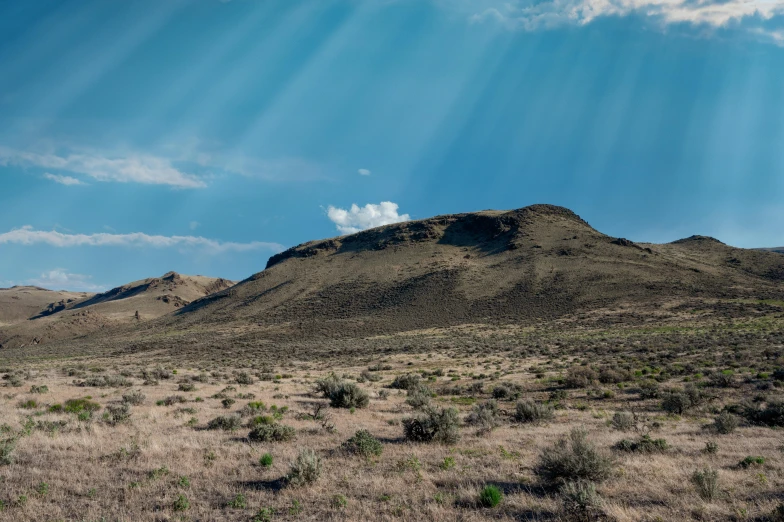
676, 403
186, 387
528, 411
771, 415
80, 406
7, 447
506, 391
238, 502
228, 402
490, 496
574, 458
433, 425
266, 460
405, 382
181, 504
447, 464
226, 423
649, 390
644, 445
751, 461
725, 423
711, 447
272, 433
339, 501
29, 404
260, 419
39, 389
364, 444
707, 483
306, 468
349, 395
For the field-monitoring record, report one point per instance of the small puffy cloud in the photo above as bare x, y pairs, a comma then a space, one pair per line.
63, 180
61, 279
194, 225
358, 218
29, 236
364, 172
130, 168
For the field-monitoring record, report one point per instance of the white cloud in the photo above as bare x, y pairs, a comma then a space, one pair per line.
194, 225
531, 15
61, 279
29, 236
131, 168
364, 172
361, 218
63, 180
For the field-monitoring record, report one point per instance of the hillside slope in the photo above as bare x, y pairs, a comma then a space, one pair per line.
534, 264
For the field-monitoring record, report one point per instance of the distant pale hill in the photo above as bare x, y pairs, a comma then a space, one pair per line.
22, 302
64, 316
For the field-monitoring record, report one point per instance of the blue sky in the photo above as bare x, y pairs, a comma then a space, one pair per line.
202, 136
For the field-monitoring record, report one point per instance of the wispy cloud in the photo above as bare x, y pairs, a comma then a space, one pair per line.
530, 15
364, 172
29, 236
358, 218
131, 168
61, 279
63, 180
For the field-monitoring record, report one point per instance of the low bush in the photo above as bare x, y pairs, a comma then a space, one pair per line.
507, 391
349, 395
725, 423
225, 423
134, 398
364, 444
533, 412
580, 377
490, 496
751, 461
485, 416
39, 389
306, 468
644, 444
117, 413
623, 421
581, 502
574, 458
272, 433
707, 483
405, 382
772, 414
433, 425
7, 447
80, 406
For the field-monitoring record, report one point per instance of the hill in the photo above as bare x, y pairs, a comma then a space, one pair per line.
68, 317
22, 302
525, 266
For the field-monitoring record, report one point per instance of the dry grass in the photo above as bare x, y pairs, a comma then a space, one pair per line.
94, 470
